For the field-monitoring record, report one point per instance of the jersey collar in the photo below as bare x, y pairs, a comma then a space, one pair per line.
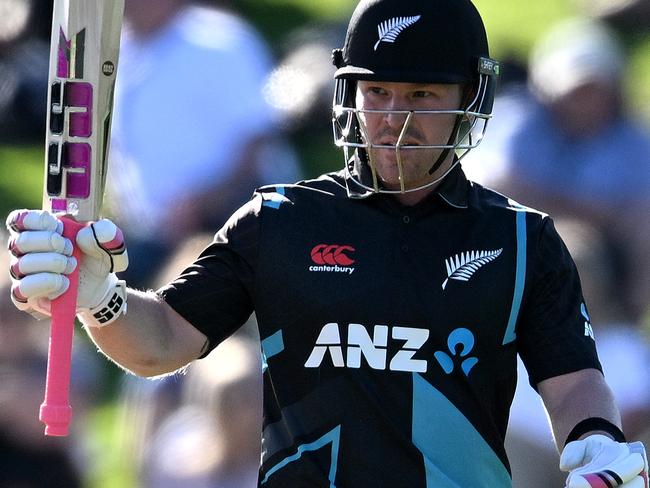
453, 188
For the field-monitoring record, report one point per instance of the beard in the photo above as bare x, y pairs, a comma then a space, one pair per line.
415, 166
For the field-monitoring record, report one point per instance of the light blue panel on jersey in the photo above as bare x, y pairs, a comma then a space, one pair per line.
272, 345
520, 276
333, 437
275, 199
455, 454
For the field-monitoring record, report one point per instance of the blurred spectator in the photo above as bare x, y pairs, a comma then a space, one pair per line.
24, 57
213, 439
625, 14
300, 89
566, 144
29, 459
300, 86
624, 354
200, 429
192, 135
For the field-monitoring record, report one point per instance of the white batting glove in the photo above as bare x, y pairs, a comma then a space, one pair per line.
41, 258
600, 462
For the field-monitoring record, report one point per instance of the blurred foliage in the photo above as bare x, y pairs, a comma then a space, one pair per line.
110, 466
639, 77
513, 26
277, 18
21, 177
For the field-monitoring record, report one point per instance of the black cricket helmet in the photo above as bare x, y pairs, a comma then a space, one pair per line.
414, 41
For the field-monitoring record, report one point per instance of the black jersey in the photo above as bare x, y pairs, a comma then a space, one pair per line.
390, 333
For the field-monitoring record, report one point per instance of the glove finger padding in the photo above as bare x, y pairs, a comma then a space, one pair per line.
40, 257
21, 220
34, 263
637, 482
39, 241
599, 461
33, 293
638, 447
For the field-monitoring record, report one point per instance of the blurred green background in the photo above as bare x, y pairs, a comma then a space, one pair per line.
513, 26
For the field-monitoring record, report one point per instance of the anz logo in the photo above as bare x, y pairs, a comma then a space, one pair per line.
375, 349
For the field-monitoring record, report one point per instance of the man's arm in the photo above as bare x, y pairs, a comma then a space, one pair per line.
151, 339
573, 397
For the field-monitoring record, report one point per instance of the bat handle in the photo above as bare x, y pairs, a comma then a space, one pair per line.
56, 411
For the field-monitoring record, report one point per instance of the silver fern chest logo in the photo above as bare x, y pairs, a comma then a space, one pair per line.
390, 29
462, 266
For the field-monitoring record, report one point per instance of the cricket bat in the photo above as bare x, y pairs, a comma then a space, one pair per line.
83, 65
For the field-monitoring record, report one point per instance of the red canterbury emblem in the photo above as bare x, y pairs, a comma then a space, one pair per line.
332, 254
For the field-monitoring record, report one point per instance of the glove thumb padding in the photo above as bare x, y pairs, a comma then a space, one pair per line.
104, 241
578, 453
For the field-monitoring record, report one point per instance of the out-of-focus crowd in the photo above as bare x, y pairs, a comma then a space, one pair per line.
564, 139
204, 113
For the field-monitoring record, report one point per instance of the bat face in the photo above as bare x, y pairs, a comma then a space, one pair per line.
83, 65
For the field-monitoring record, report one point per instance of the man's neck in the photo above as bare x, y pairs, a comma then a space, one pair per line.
412, 198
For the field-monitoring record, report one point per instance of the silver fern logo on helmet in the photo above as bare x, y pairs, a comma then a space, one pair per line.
390, 29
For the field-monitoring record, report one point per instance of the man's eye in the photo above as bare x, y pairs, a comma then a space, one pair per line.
376, 90
421, 94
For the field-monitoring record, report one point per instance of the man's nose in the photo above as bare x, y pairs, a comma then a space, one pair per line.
395, 117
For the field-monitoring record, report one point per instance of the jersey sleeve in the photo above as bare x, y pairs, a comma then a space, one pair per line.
554, 336
214, 294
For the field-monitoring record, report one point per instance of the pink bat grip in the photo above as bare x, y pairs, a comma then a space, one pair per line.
56, 411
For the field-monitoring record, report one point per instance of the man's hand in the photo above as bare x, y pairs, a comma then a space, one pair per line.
600, 462
41, 259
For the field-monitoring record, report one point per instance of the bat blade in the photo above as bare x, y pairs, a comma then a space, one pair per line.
83, 65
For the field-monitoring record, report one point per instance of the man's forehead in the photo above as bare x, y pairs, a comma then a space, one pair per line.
406, 85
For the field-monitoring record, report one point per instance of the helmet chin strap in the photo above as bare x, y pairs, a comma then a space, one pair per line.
467, 95
452, 140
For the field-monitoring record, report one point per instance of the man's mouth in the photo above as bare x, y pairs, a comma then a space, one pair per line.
393, 143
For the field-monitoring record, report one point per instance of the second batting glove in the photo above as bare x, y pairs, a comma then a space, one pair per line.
600, 462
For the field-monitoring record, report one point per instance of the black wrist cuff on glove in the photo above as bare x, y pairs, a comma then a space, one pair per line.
593, 424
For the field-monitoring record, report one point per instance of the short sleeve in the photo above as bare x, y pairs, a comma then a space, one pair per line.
554, 334
214, 294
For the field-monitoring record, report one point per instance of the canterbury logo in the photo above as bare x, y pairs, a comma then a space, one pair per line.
331, 254
389, 30
332, 258
463, 266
